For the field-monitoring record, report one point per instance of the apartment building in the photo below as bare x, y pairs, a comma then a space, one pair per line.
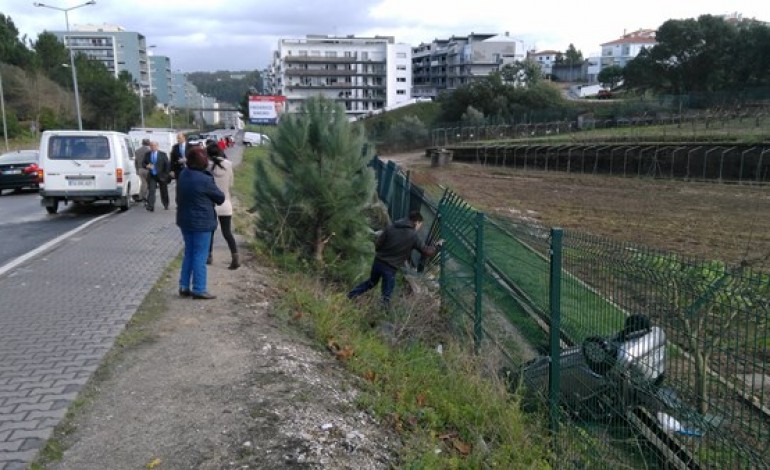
446, 64
622, 50
365, 74
545, 59
119, 50
159, 78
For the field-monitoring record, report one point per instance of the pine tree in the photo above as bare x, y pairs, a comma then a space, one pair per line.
313, 190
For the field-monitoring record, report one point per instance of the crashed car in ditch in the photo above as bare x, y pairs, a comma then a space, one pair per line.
605, 376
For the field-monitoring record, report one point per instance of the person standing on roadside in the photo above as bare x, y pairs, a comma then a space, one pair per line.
178, 155
222, 169
392, 247
140, 170
157, 165
197, 195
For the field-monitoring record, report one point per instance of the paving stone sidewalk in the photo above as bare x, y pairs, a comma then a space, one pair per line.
61, 312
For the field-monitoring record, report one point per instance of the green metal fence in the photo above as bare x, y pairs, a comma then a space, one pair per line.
535, 297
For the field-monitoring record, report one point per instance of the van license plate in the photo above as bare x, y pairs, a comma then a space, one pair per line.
12, 172
80, 183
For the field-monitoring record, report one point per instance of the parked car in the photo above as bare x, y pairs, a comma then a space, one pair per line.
18, 170
255, 138
85, 167
196, 139
604, 94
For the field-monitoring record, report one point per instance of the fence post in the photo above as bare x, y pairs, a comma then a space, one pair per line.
555, 307
479, 281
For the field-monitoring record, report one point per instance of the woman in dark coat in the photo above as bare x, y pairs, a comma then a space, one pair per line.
196, 195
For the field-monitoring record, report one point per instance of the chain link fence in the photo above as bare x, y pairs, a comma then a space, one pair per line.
557, 311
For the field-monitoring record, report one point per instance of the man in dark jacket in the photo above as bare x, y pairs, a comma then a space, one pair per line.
179, 155
140, 169
157, 165
392, 248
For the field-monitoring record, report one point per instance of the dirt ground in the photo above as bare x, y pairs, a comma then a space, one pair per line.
725, 222
224, 384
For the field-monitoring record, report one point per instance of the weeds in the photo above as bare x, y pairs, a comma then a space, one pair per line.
447, 414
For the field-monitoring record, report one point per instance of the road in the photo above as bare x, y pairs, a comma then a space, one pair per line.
25, 225
62, 307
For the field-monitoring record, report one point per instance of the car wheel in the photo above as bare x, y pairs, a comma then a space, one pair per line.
53, 208
599, 354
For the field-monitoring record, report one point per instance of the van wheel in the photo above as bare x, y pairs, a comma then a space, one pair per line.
53, 208
125, 203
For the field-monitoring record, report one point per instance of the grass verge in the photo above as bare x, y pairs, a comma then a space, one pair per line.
447, 413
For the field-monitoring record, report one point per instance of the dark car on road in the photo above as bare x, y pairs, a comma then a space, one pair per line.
18, 170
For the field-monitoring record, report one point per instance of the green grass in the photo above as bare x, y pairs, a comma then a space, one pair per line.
434, 401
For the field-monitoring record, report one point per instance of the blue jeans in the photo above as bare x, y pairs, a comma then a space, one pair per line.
382, 271
196, 250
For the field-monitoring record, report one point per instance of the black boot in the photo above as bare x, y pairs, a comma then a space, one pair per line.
235, 263
210, 259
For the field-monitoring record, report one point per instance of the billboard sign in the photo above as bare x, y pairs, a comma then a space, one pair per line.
266, 109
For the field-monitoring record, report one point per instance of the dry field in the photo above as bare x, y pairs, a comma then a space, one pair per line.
703, 220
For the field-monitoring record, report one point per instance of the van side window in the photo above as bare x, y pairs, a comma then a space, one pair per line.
78, 148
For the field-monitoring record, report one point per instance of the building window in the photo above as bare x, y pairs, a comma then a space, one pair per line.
401, 55
301, 53
400, 92
364, 55
330, 54
315, 53
626, 49
400, 67
401, 79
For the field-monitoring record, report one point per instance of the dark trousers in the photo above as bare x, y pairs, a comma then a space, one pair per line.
382, 271
154, 182
225, 222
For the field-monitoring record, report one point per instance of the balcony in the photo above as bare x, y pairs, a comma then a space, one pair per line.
294, 72
335, 86
293, 59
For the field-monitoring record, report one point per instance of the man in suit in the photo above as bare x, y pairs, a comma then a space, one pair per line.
140, 170
178, 155
158, 167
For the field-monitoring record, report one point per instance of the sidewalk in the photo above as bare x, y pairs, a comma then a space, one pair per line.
60, 313
223, 384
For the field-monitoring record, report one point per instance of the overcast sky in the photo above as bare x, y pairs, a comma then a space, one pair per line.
209, 35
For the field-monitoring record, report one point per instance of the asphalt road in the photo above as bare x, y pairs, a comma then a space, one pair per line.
25, 225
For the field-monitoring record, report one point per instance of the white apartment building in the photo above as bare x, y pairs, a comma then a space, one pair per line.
364, 74
622, 50
546, 59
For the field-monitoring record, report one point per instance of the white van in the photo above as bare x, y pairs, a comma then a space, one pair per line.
166, 138
255, 138
85, 167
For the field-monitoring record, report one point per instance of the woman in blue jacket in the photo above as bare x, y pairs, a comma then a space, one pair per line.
196, 196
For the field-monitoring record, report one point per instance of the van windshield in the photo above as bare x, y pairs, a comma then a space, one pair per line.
77, 147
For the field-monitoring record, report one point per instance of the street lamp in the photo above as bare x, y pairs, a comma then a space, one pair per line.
2, 106
141, 102
72, 54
